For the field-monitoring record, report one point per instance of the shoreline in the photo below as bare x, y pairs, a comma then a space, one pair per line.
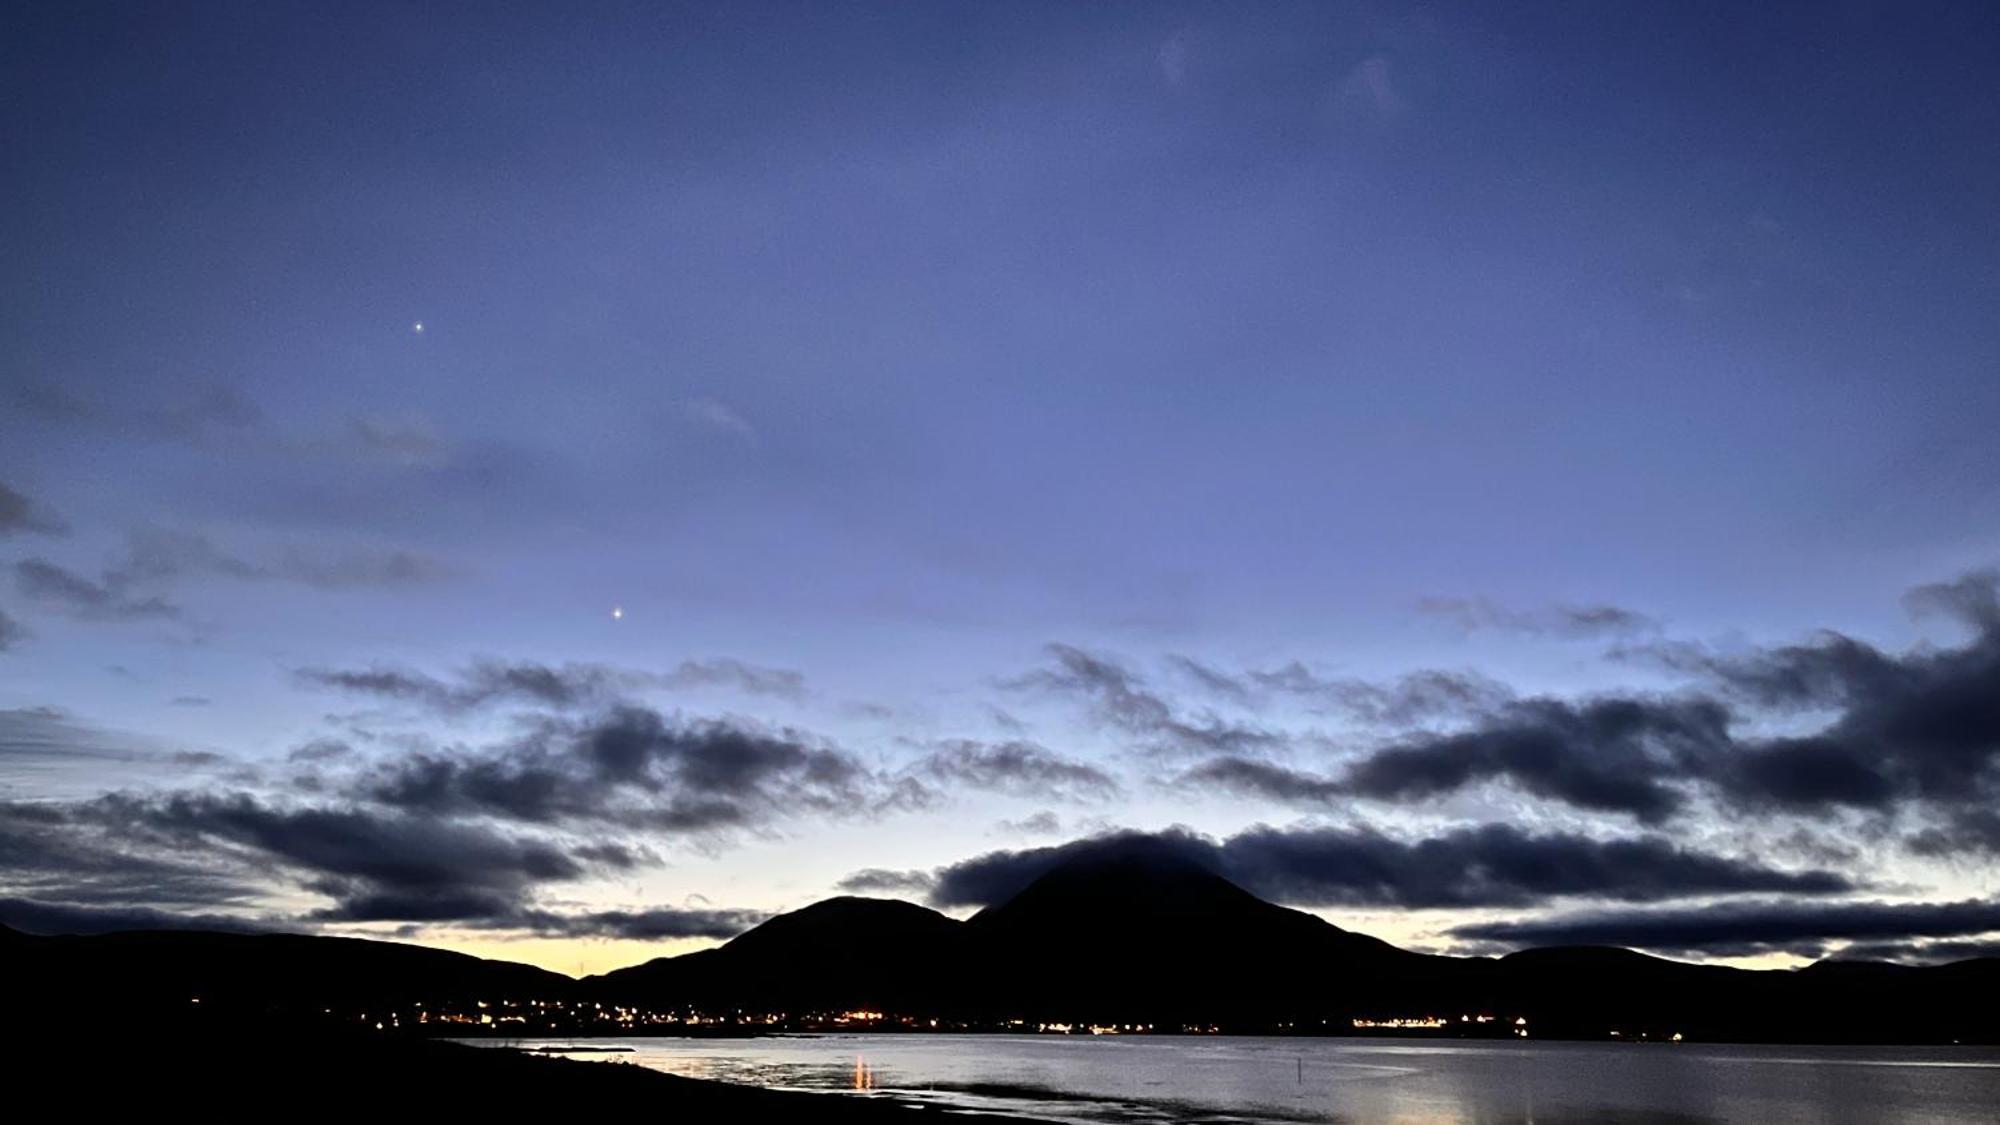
236, 1072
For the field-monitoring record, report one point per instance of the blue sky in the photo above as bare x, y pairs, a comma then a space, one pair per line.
878, 348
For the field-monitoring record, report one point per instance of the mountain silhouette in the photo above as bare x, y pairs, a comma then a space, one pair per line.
1119, 935
847, 953
1140, 933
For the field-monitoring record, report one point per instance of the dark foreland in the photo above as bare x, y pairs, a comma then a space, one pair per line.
1129, 940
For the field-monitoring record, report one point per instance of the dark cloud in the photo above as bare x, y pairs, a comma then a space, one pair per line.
1802, 775
1742, 926
182, 855
1121, 699
1919, 952
1973, 598
656, 924
882, 880
1493, 865
389, 683
1812, 730
1564, 621
359, 903
35, 917
1824, 674
479, 910
633, 767
320, 750
1920, 726
485, 682
20, 515
1497, 865
468, 838
1044, 823
490, 681
1605, 755
51, 856
58, 587
1254, 777
1018, 768
615, 855
373, 863
1915, 732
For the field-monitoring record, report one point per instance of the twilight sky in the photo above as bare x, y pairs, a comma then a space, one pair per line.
565, 482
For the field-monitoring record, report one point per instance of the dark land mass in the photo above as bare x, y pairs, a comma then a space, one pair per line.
220, 1069
166, 969
1132, 937
1145, 937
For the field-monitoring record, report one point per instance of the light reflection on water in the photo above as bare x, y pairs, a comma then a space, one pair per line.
1093, 1081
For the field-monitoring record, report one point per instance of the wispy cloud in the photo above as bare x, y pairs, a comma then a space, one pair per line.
20, 515
1368, 93
491, 681
720, 416
1017, 767
12, 632
85, 599
1563, 621
224, 416
198, 414
1121, 698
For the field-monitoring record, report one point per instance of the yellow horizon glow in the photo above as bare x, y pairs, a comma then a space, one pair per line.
572, 957
582, 957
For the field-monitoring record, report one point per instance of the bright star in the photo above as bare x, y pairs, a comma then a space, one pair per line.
418, 328
617, 613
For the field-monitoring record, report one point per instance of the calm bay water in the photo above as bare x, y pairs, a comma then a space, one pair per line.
1172, 1079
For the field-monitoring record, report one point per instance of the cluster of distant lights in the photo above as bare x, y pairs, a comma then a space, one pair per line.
1438, 1023
505, 1013
509, 1013
1645, 1036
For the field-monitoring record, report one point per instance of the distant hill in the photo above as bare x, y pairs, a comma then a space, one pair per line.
276, 973
841, 954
